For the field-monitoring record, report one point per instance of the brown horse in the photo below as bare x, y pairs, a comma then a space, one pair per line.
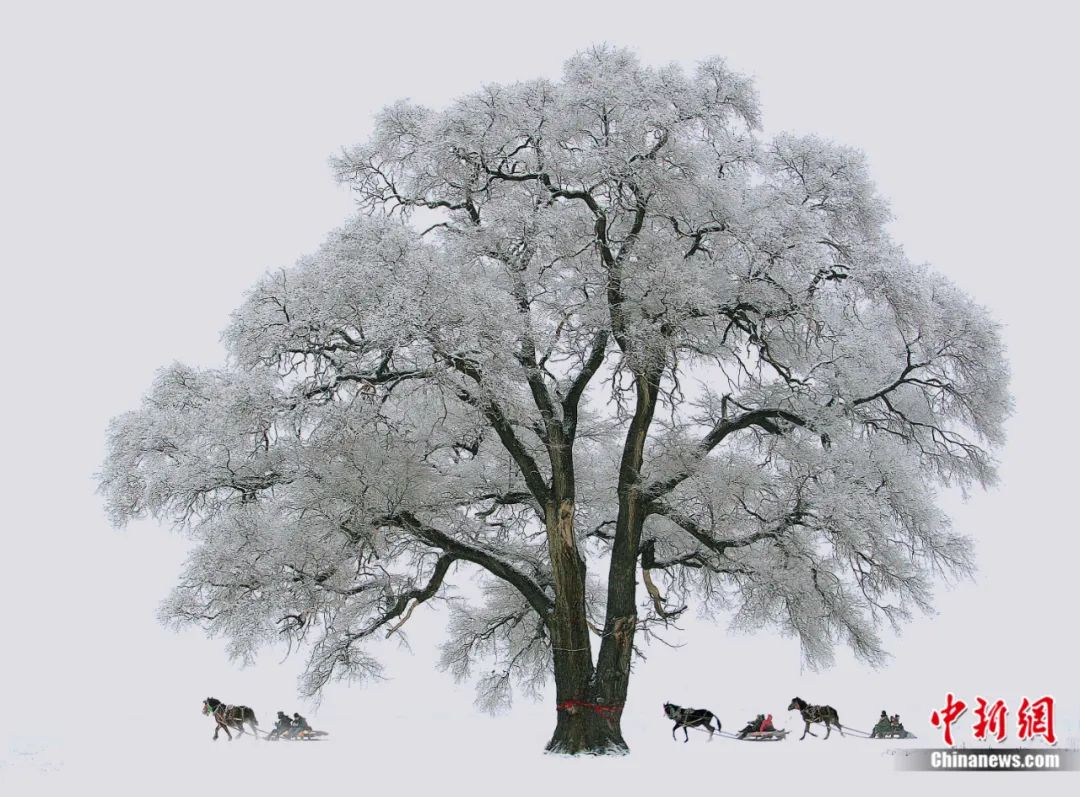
225, 716
826, 714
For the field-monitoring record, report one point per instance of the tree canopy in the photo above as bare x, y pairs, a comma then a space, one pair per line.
576, 331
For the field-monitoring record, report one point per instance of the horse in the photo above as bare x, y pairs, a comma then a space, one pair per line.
690, 718
826, 714
225, 716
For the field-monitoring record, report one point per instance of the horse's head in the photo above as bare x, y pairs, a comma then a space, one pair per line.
209, 706
670, 709
797, 704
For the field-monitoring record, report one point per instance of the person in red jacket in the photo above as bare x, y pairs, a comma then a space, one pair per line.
766, 724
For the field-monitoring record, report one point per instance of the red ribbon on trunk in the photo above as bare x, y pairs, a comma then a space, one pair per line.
604, 711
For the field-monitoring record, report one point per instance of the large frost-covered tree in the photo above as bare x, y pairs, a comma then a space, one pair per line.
577, 331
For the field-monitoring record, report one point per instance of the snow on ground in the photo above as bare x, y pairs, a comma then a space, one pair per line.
471, 755
128, 722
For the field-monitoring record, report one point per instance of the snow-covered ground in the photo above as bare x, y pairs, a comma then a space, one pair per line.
418, 733
471, 755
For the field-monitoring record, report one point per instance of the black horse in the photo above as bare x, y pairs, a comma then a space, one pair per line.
225, 716
690, 718
826, 714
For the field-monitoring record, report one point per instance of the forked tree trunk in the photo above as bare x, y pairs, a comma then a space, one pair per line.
590, 702
584, 724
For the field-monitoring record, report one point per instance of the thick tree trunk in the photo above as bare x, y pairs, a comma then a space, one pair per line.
585, 724
612, 679
587, 728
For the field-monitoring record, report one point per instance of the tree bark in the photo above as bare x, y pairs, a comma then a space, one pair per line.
586, 728
612, 679
585, 724
590, 700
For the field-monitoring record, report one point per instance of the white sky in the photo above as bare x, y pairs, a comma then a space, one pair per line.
154, 163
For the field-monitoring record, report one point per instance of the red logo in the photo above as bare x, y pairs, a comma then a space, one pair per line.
948, 715
992, 720
1034, 718
1037, 719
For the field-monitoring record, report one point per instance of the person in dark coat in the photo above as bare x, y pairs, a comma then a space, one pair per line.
284, 723
884, 726
299, 725
752, 726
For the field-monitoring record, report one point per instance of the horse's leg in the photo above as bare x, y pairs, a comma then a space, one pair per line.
226, 729
216, 729
686, 733
805, 731
673, 732
828, 728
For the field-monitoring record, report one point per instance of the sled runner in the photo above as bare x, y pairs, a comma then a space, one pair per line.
303, 736
893, 734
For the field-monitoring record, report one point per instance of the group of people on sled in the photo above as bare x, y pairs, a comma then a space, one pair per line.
289, 727
887, 726
762, 723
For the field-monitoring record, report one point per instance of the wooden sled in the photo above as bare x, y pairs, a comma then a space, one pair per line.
764, 736
303, 736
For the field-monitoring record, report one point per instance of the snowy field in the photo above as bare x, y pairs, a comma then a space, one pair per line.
418, 733
477, 756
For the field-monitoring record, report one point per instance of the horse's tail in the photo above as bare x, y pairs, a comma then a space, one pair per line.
717, 722
251, 713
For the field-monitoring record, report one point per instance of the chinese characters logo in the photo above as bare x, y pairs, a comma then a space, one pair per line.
1034, 718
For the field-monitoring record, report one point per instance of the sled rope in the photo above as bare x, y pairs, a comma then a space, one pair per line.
857, 732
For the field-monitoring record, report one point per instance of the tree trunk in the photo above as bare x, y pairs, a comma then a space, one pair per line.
585, 724
612, 679
587, 728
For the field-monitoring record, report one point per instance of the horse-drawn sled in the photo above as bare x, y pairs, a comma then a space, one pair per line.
236, 718
759, 729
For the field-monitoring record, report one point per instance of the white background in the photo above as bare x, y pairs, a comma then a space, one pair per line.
156, 159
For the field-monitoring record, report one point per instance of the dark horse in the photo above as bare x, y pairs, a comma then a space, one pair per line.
690, 718
826, 714
225, 716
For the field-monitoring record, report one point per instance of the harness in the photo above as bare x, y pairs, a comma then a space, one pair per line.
819, 714
221, 714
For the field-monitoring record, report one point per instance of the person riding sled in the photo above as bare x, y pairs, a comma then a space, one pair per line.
766, 724
753, 726
299, 726
887, 726
283, 725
